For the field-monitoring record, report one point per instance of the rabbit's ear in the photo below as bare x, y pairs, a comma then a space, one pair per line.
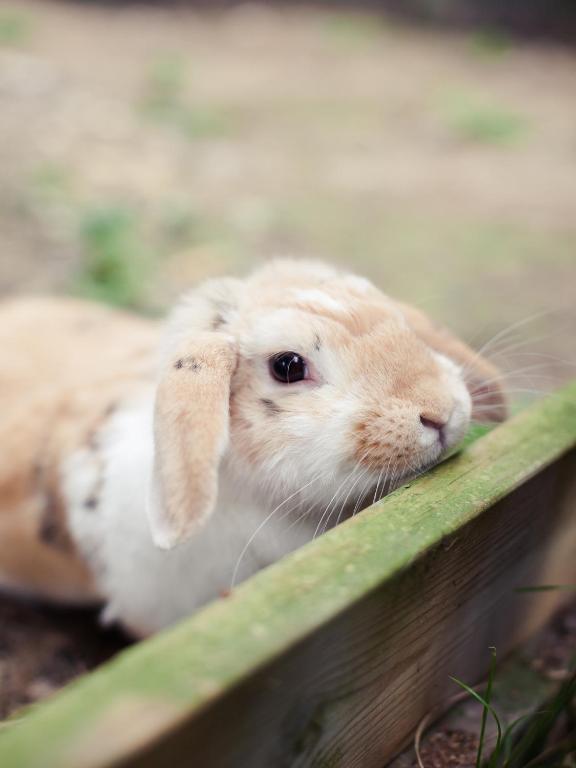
484, 381
190, 435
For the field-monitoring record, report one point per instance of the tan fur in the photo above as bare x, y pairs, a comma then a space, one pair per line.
373, 334
63, 366
483, 377
191, 440
365, 310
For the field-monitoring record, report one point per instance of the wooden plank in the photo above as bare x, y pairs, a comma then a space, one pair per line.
331, 657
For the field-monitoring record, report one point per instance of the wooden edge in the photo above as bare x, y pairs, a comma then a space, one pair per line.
170, 678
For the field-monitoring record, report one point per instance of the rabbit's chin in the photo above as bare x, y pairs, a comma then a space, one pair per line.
319, 500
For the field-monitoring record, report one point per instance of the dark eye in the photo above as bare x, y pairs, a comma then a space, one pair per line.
288, 367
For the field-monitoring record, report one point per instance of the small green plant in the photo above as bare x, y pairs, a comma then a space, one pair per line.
484, 123
525, 743
487, 708
116, 267
14, 27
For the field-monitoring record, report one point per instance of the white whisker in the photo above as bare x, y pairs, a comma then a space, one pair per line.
262, 524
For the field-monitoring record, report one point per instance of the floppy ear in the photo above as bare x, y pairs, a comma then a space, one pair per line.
484, 381
191, 418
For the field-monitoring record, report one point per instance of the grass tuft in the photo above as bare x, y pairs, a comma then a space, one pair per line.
116, 267
15, 27
532, 740
532, 747
487, 698
480, 122
487, 708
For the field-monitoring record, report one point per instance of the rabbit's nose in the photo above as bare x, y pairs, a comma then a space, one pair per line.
434, 422
437, 423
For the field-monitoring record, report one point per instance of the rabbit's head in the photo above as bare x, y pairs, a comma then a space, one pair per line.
307, 381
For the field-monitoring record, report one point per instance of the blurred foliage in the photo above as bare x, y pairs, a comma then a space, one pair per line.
116, 266
15, 26
491, 42
164, 100
354, 29
474, 120
51, 183
164, 85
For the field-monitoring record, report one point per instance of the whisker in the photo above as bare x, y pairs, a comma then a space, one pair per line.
377, 487
553, 358
360, 477
514, 326
348, 476
328, 518
514, 390
334, 497
262, 524
360, 500
526, 370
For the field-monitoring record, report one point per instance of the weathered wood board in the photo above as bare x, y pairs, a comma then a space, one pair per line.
330, 658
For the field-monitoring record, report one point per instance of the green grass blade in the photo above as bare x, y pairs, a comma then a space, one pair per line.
487, 698
533, 741
509, 732
486, 706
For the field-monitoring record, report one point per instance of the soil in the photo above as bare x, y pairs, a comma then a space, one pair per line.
43, 648
448, 749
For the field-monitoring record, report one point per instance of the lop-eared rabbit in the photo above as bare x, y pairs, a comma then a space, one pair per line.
149, 467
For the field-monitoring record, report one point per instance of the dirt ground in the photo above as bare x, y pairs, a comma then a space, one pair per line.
143, 148
43, 648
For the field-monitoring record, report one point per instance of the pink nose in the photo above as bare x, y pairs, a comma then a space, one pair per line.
432, 423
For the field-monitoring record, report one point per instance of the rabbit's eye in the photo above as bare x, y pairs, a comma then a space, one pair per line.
288, 367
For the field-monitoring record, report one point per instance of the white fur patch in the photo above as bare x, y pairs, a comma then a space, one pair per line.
359, 284
455, 385
320, 299
145, 587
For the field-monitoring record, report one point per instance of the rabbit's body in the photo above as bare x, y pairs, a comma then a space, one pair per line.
65, 365
148, 588
77, 394
271, 408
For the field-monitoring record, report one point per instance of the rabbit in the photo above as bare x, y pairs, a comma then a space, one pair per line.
148, 467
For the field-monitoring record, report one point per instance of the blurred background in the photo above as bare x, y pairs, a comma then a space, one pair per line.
428, 145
